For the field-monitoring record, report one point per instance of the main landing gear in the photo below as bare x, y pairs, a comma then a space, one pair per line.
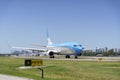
76, 57
67, 56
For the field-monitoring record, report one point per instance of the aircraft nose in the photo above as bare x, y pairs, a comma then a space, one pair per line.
81, 47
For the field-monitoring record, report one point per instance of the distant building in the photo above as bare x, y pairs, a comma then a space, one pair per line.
118, 50
115, 50
106, 49
98, 50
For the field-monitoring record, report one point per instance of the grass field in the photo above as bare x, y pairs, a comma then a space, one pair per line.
63, 70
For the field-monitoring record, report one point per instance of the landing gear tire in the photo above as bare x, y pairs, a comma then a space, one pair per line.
52, 56
76, 57
67, 56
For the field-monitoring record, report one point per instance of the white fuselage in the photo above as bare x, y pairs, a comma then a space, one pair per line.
60, 50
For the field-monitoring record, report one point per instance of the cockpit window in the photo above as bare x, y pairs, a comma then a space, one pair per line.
77, 45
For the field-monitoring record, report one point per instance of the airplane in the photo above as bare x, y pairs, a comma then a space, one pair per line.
67, 49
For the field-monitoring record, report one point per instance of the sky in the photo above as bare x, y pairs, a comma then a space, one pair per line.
92, 23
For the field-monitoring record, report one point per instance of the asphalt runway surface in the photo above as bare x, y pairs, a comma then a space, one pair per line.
81, 58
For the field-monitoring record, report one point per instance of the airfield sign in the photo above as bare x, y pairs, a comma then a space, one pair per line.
34, 62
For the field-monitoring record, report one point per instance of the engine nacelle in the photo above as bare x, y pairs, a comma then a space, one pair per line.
51, 53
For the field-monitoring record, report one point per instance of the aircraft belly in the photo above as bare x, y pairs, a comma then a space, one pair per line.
66, 51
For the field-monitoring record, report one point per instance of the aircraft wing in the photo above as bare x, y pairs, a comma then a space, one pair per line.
32, 49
